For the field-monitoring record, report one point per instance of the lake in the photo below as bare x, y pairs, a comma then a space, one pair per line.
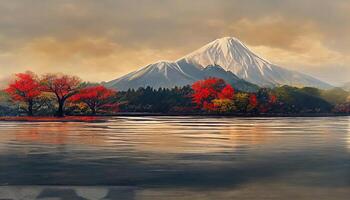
178, 158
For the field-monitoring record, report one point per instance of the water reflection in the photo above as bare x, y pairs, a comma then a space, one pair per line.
59, 134
163, 135
194, 153
348, 135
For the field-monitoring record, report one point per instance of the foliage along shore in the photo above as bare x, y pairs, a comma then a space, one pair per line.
89, 119
104, 118
63, 95
229, 114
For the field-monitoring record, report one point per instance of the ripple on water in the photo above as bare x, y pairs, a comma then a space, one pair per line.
191, 152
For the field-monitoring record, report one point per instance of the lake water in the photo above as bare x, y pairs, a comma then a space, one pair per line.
180, 158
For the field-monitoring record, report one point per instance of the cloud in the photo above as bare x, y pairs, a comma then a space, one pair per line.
101, 40
94, 59
273, 31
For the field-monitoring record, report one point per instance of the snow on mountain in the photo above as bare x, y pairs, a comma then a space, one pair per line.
167, 74
161, 74
226, 58
234, 56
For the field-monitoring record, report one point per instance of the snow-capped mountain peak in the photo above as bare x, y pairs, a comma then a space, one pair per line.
234, 56
227, 58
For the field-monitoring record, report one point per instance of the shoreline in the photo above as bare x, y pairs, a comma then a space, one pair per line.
88, 119
233, 114
104, 118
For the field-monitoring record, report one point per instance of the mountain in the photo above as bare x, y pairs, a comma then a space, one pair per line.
234, 56
167, 74
226, 58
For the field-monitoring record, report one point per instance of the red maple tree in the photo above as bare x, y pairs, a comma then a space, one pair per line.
62, 86
253, 101
25, 88
227, 93
272, 99
205, 91
96, 98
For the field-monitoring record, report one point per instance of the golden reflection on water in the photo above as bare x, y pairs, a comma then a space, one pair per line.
166, 136
193, 137
54, 134
175, 135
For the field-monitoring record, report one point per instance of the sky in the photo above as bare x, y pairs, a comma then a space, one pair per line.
100, 40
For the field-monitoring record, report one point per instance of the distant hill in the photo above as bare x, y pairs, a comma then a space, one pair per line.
333, 96
301, 100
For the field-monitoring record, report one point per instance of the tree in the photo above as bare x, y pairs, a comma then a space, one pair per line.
62, 86
208, 90
96, 98
253, 102
241, 101
223, 105
296, 100
266, 100
227, 92
25, 88
342, 108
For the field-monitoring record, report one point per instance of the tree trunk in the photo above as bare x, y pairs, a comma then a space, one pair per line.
93, 111
60, 111
30, 108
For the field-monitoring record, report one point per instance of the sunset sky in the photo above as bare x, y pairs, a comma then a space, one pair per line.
100, 40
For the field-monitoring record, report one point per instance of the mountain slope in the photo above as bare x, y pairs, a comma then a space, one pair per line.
232, 55
226, 58
162, 74
167, 74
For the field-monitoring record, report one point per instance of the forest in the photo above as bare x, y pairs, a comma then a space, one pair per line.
60, 95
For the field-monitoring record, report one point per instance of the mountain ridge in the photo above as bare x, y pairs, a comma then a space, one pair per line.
167, 74
237, 61
233, 55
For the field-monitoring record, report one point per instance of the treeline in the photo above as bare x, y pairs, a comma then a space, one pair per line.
206, 97
59, 94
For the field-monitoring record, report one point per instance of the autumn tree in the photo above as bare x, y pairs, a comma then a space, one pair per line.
208, 92
26, 89
266, 100
241, 101
62, 86
253, 103
96, 98
223, 105
342, 108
